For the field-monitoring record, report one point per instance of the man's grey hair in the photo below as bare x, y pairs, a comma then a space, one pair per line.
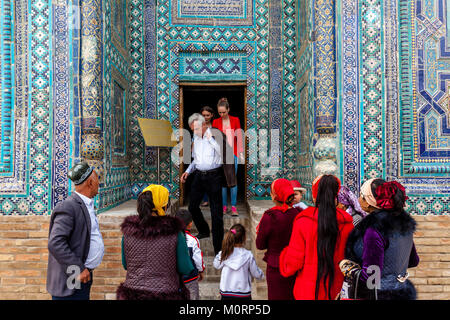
196, 117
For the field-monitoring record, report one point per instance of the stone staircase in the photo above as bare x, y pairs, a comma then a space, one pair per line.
209, 286
250, 214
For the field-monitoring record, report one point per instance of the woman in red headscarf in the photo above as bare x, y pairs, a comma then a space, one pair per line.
273, 234
317, 244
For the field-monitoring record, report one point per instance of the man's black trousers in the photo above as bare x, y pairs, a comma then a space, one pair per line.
209, 182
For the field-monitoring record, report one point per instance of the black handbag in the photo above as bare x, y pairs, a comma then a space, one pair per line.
352, 287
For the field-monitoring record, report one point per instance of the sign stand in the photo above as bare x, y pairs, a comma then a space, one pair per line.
157, 133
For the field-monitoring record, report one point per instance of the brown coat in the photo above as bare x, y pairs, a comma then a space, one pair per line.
230, 179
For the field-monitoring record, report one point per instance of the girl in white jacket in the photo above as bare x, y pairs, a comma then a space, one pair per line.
238, 266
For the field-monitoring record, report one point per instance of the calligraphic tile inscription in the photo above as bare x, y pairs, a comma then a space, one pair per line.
212, 12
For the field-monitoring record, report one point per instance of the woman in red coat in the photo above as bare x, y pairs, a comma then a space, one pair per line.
273, 234
321, 229
231, 127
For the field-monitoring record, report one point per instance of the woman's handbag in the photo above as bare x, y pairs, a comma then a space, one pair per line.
352, 288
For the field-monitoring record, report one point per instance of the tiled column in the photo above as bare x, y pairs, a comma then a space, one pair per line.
92, 148
325, 82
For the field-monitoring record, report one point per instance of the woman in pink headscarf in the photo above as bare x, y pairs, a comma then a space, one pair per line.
273, 235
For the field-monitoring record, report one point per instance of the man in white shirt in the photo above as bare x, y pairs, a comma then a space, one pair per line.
207, 172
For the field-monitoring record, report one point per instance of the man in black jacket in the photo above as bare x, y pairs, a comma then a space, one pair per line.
75, 243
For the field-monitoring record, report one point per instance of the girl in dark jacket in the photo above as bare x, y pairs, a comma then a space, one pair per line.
383, 242
154, 251
274, 232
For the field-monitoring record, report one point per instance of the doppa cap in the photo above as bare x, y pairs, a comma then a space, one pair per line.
80, 172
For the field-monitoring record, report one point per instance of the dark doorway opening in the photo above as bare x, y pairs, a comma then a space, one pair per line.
194, 97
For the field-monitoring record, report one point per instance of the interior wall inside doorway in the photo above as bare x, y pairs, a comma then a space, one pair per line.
194, 98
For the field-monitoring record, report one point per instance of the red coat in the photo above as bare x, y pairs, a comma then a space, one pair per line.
234, 124
301, 254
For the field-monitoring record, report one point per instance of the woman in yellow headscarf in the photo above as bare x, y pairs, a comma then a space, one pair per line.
160, 196
154, 251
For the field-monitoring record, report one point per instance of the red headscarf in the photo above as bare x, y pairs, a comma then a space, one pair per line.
315, 185
282, 188
386, 193
297, 186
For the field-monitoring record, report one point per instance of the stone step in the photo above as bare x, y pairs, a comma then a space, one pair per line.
228, 220
209, 290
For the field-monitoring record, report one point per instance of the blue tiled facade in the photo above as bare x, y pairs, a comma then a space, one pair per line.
371, 75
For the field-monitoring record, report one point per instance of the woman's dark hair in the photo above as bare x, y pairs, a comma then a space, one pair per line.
399, 200
234, 236
290, 199
223, 102
375, 184
327, 231
185, 216
207, 108
145, 207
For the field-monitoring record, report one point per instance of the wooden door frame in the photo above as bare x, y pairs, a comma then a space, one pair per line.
181, 86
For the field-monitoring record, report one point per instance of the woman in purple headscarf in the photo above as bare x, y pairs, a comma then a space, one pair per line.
348, 201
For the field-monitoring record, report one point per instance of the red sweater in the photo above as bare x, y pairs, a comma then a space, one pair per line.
274, 233
234, 124
301, 254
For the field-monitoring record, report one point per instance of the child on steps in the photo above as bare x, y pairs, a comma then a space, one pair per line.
191, 280
238, 266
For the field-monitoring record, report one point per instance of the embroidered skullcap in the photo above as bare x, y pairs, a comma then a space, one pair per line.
80, 172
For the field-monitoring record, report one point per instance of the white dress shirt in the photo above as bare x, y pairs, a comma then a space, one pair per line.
96, 248
206, 153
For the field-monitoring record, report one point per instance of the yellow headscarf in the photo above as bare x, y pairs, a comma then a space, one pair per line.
160, 197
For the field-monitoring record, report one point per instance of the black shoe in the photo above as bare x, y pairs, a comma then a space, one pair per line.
202, 235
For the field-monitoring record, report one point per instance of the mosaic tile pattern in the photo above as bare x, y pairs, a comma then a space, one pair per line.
116, 79
431, 78
289, 94
213, 68
27, 188
61, 101
389, 104
177, 50
393, 116
165, 32
371, 84
427, 183
349, 94
212, 13
305, 94
14, 182
139, 59
6, 88
324, 51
